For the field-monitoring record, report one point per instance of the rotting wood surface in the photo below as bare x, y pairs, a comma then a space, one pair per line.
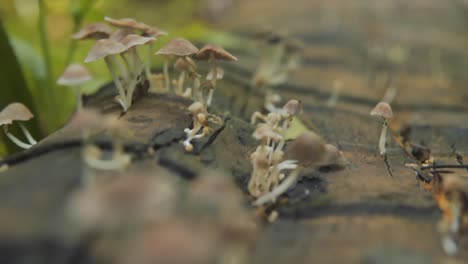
356, 215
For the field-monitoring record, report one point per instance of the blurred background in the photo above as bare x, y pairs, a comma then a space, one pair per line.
36, 46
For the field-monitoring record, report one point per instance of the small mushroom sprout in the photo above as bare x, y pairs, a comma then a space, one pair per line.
17, 112
306, 150
200, 124
383, 110
213, 54
179, 47
75, 75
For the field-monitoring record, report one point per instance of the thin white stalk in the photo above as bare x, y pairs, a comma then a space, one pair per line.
180, 83
26, 133
15, 140
383, 139
166, 74
79, 101
109, 60
282, 188
132, 86
122, 68
148, 63
210, 97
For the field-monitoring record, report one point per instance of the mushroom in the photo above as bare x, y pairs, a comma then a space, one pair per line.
107, 49
127, 23
200, 121
184, 66
156, 33
17, 112
93, 31
75, 75
383, 110
131, 41
212, 54
179, 47
306, 150
130, 24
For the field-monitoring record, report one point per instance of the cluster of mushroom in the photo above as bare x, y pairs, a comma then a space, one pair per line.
268, 179
119, 50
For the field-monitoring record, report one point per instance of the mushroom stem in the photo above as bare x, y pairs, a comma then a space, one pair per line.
118, 84
31, 140
180, 83
283, 187
383, 138
148, 63
79, 101
15, 140
166, 74
214, 67
197, 95
134, 81
127, 68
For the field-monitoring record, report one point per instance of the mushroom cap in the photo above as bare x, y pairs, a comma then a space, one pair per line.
219, 74
154, 32
119, 34
74, 74
14, 112
293, 107
93, 31
132, 40
179, 47
382, 109
104, 48
308, 149
127, 23
197, 108
265, 131
181, 65
216, 51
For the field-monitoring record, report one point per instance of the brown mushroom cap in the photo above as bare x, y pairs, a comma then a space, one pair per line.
14, 112
179, 47
382, 109
197, 108
94, 31
293, 107
181, 65
217, 52
127, 23
308, 149
104, 48
154, 32
119, 34
74, 74
133, 40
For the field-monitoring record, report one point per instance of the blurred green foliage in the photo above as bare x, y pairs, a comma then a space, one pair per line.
39, 32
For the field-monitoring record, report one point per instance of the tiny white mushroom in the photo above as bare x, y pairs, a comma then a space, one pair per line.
383, 110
